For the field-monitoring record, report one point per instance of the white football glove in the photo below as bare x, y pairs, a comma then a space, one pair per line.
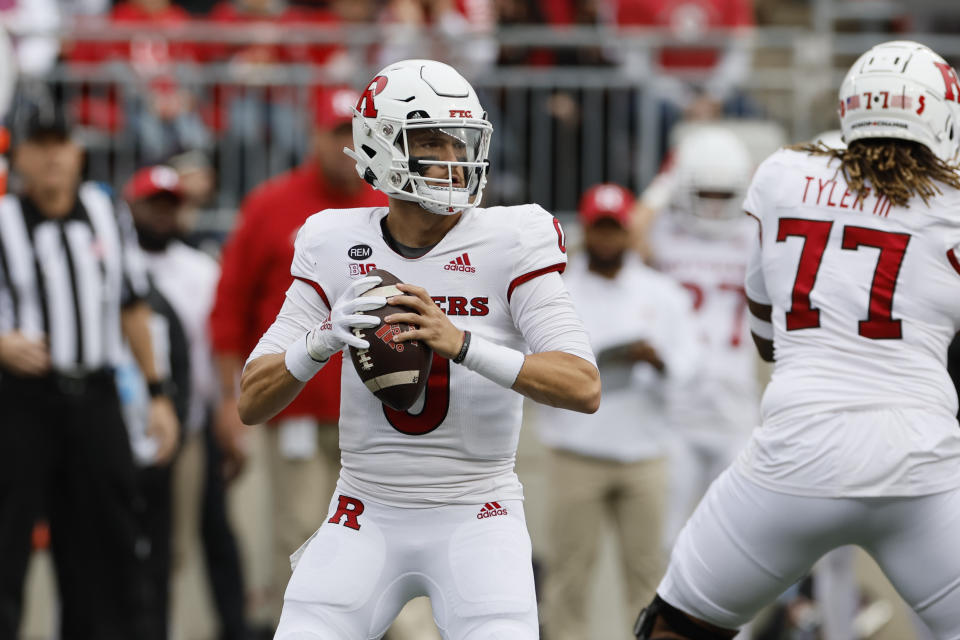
330, 336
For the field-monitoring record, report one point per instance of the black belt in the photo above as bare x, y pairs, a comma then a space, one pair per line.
78, 383
69, 383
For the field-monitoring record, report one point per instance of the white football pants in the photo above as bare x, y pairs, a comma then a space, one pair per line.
368, 559
744, 545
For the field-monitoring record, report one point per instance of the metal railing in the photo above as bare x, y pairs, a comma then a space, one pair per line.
558, 130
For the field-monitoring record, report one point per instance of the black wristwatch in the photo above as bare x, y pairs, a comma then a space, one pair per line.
160, 388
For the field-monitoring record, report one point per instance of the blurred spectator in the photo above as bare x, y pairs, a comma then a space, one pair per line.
158, 104
183, 281
722, 67
560, 106
353, 58
33, 24
610, 467
198, 181
518, 13
199, 8
699, 72
700, 238
458, 32
304, 454
80, 8
264, 110
355, 12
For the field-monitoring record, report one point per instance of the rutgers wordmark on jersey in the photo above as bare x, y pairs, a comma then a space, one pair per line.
458, 443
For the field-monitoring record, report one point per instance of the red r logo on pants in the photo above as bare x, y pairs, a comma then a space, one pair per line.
350, 508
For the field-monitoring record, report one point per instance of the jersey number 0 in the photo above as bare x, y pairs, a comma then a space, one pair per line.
879, 325
435, 403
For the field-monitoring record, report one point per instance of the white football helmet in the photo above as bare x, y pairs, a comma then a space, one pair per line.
832, 139
404, 99
712, 172
903, 90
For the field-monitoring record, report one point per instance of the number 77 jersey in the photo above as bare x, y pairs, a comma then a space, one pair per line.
864, 298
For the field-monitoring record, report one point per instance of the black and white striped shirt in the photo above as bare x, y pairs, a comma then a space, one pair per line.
68, 278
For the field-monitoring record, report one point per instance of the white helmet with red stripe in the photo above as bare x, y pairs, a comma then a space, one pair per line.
903, 90
412, 96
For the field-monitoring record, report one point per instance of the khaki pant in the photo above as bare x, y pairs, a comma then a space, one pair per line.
300, 488
585, 494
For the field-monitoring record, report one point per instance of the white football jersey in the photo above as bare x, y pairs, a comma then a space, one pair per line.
864, 301
459, 441
722, 396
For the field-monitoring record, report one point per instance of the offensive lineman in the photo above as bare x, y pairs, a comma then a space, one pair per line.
852, 292
427, 502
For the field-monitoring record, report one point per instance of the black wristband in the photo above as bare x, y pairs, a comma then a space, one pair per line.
463, 349
160, 388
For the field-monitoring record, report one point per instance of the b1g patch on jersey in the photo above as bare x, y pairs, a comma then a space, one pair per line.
490, 510
360, 269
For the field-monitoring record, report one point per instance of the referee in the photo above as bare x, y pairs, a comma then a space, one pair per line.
71, 282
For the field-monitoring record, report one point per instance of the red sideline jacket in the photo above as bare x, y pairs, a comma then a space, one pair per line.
256, 273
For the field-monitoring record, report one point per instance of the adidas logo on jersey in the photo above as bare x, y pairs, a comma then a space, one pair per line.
460, 264
490, 510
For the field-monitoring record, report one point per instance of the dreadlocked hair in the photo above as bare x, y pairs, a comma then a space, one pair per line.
896, 169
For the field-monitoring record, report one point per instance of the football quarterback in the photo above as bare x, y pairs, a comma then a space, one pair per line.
427, 502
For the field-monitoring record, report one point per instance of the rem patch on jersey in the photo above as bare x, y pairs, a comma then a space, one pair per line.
359, 252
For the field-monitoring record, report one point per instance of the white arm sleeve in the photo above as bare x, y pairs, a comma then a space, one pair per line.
302, 310
546, 317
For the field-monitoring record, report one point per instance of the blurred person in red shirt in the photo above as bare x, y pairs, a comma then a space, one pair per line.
303, 441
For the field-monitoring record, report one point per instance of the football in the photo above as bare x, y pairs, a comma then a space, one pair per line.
395, 372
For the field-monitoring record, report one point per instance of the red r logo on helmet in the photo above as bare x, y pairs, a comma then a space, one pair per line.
365, 104
950, 80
